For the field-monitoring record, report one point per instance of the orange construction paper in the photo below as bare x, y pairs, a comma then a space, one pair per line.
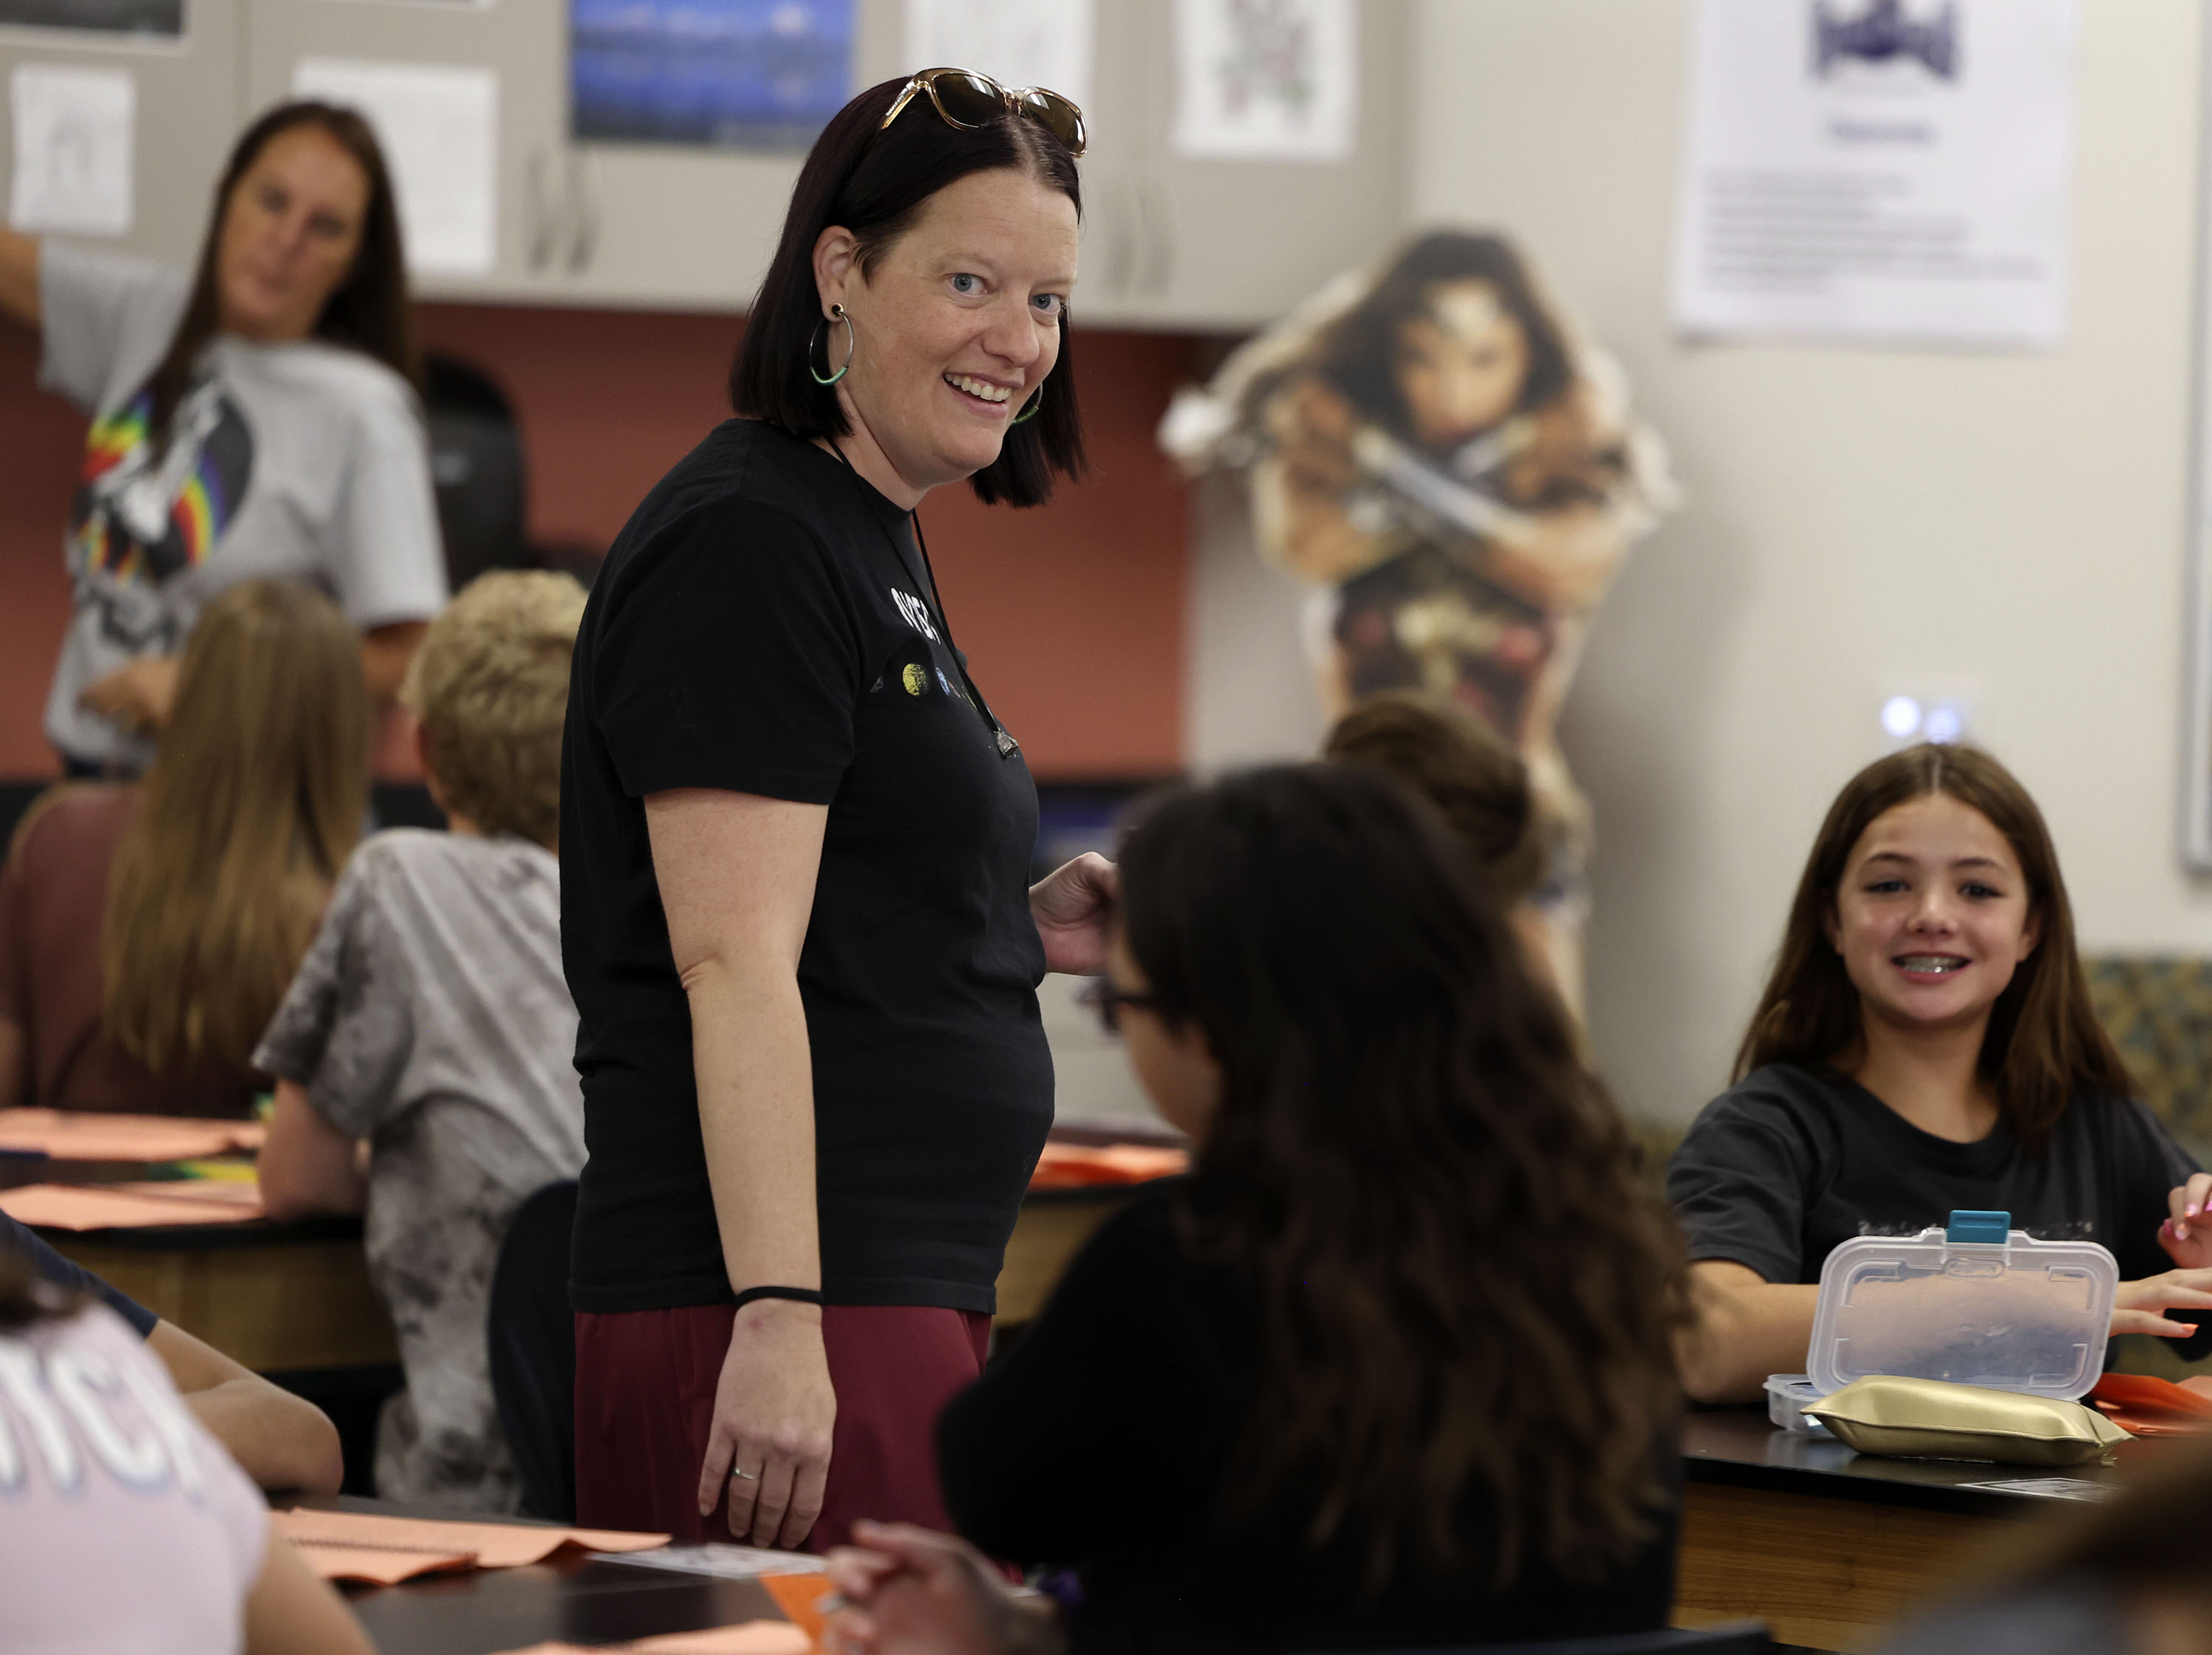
800, 1597
127, 1205
1073, 1166
78, 1135
2145, 1407
749, 1638
364, 1546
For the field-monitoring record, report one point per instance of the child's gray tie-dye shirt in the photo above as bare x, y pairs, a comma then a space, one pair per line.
431, 1017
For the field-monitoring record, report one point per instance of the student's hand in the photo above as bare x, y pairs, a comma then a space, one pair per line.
2138, 1306
774, 1409
2187, 1233
909, 1592
1071, 905
137, 695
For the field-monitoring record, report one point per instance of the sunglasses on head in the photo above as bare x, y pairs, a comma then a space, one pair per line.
964, 99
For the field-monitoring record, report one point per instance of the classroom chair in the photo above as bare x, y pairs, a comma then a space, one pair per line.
533, 1336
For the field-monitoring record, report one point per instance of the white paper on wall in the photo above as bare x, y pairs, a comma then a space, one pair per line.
1878, 169
1267, 80
73, 132
1048, 43
439, 127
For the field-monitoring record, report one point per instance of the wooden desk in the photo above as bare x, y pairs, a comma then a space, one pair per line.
584, 1600
275, 1298
1829, 1548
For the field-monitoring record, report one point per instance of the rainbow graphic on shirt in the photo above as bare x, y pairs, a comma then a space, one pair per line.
166, 536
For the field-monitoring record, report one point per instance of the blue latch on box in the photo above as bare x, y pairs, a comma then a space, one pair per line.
1970, 1229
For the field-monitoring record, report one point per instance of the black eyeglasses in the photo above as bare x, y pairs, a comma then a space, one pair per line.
1107, 1000
964, 99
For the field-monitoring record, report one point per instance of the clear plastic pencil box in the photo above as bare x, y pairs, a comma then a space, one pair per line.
1977, 1303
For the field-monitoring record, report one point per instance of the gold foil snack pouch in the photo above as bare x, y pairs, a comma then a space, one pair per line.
1930, 1419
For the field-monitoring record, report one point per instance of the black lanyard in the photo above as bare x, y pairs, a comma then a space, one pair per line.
1007, 746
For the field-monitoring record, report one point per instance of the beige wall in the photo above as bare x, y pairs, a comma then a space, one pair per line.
1858, 522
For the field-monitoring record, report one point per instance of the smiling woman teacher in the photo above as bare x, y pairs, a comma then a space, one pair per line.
254, 421
794, 847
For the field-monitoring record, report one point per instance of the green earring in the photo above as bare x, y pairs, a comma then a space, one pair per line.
836, 314
1029, 412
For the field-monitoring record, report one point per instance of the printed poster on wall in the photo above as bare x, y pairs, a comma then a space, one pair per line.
74, 129
439, 126
1045, 43
1878, 170
1267, 80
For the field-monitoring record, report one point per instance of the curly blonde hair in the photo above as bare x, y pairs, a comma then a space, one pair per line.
490, 686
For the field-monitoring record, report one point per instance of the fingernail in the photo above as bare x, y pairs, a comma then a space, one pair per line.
2192, 1209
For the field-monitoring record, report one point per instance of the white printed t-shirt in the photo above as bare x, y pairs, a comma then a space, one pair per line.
304, 462
124, 1529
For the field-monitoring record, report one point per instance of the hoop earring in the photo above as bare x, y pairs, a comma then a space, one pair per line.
836, 314
1035, 402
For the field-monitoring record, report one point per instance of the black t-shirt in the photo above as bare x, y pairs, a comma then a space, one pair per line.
1779, 1169
70, 1276
764, 626
1102, 1441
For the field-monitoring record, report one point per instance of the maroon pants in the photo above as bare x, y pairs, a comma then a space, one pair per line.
645, 1401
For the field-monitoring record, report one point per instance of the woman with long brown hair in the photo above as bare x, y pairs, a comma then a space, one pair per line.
1925, 1043
147, 931
1393, 1368
257, 420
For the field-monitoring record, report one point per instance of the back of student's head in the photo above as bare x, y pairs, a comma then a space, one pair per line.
490, 686
1448, 756
24, 1298
253, 802
2044, 1047
1462, 1281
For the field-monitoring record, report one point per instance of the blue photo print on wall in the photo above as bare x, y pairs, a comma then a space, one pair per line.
761, 75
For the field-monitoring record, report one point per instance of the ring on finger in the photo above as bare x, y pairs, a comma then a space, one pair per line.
749, 1477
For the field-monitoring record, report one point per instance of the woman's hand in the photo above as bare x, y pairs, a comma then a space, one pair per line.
774, 1409
2140, 1306
909, 1592
137, 695
1071, 906
2187, 1233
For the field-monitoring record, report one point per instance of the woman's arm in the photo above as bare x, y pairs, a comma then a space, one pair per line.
1070, 906
19, 277
140, 694
280, 1441
1745, 1329
385, 652
307, 1166
910, 1591
736, 875
291, 1612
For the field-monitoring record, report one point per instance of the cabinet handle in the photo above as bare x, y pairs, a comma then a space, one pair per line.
541, 210
583, 210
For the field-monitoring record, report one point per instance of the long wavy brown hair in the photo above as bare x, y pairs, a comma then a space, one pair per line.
253, 804
1464, 1287
369, 312
2044, 1047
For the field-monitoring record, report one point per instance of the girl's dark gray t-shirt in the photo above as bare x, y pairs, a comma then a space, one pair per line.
1795, 1158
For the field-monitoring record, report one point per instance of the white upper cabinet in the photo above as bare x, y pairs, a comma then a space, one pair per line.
180, 91
495, 216
1172, 240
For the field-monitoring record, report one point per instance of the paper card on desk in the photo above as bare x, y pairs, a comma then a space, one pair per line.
1071, 1166
75, 1136
335, 1542
800, 1597
119, 1207
749, 1638
2046, 1487
725, 1561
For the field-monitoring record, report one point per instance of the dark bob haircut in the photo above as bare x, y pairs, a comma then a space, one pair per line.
876, 183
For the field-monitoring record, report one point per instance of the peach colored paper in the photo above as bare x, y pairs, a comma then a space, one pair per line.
800, 1597
129, 1206
1073, 1166
365, 1546
76, 1135
750, 1638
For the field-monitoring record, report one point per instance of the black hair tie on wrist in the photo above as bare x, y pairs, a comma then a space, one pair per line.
798, 1295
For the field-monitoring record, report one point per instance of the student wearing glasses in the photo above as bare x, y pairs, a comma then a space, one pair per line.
794, 844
